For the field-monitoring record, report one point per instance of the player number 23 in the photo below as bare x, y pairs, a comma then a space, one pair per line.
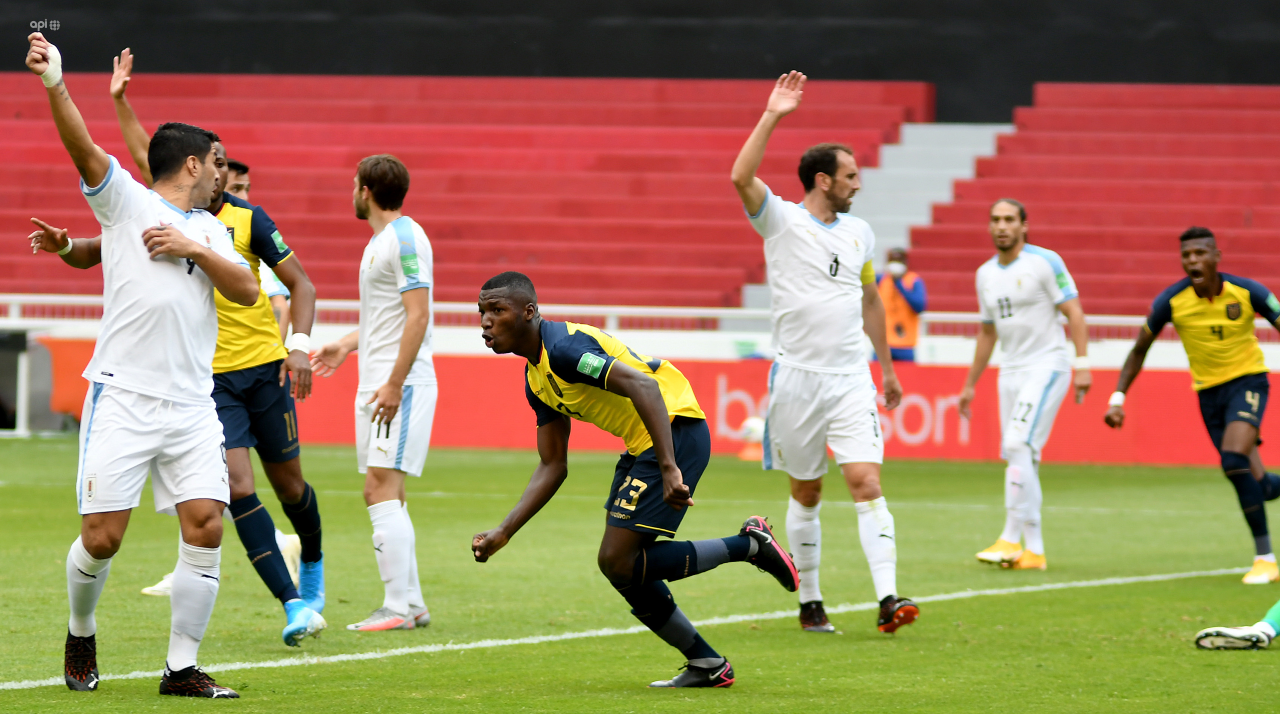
637, 488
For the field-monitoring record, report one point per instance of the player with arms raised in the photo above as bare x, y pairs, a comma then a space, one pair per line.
820, 389
1213, 313
1021, 291
148, 408
577, 371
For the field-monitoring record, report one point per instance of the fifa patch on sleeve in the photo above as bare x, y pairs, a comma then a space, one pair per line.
1272, 303
409, 263
1062, 281
590, 365
280, 244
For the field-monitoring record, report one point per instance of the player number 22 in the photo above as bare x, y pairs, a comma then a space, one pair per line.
637, 488
1022, 411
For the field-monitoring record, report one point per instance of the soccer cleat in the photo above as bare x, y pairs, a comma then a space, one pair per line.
311, 584
302, 622
895, 613
770, 556
80, 663
191, 682
1000, 552
1241, 638
291, 551
691, 676
421, 616
813, 618
164, 588
1028, 560
1263, 572
383, 619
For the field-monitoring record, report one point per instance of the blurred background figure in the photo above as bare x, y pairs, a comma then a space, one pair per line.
903, 295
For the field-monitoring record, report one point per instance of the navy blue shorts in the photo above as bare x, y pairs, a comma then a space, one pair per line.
256, 411
1243, 399
635, 500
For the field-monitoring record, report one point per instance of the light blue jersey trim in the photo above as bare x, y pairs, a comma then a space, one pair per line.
111, 169
1031, 434
414, 286
408, 245
816, 220
767, 462
406, 412
88, 432
767, 195
185, 214
1056, 263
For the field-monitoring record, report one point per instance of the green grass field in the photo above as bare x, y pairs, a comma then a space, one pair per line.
1110, 648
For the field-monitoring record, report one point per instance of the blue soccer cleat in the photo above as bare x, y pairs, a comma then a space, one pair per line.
311, 584
303, 622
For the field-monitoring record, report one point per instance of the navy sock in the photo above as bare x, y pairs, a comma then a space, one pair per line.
674, 560
653, 605
1270, 486
1236, 468
305, 517
258, 534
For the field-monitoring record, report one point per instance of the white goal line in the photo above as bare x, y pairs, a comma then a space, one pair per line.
601, 632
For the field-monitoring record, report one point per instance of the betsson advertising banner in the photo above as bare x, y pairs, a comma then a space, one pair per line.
482, 405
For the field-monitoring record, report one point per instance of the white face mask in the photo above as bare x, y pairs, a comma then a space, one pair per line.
896, 269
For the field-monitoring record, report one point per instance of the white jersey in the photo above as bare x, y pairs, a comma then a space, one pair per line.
816, 277
270, 284
396, 260
1022, 300
159, 324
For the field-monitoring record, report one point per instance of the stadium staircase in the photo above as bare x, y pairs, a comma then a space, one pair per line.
1111, 174
604, 191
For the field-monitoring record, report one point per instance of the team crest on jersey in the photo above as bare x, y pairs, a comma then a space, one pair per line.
1233, 311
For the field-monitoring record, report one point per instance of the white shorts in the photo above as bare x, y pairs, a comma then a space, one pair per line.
403, 443
809, 411
124, 435
1029, 401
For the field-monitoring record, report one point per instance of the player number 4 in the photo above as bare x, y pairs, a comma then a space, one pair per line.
1216, 330
1254, 399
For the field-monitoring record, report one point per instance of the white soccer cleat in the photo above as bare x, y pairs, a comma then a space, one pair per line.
421, 616
291, 550
1241, 638
163, 588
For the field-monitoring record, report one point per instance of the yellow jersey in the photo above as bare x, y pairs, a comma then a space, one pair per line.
249, 336
570, 377
1217, 332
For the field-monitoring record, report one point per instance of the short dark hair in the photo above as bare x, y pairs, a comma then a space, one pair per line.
820, 159
519, 285
1197, 232
387, 179
172, 143
236, 166
1022, 210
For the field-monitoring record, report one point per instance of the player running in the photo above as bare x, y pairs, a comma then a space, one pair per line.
148, 407
820, 389
579, 371
256, 378
1214, 315
396, 397
1021, 290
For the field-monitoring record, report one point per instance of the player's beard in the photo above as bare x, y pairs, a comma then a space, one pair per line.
839, 204
362, 210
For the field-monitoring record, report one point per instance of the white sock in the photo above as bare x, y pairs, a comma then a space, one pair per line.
804, 536
391, 531
875, 528
85, 578
1266, 557
416, 601
1013, 494
1266, 628
195, 590
1031, 514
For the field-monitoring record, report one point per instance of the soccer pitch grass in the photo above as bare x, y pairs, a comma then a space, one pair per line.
1108, 648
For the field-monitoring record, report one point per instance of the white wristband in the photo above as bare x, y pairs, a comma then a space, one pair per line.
1117, 399
53, 75
65, 249
1082, 362
298, 341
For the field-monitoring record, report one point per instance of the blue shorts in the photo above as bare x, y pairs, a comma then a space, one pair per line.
635, 500
1243, 399
257, 411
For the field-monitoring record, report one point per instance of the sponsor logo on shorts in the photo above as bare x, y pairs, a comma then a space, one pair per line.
619, 515
90, 487
383, 450
1247, 415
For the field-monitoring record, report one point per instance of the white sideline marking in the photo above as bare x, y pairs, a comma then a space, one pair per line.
600, 632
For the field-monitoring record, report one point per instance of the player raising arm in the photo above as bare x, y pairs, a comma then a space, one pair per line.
1214, 314
1021, 291
148, 408
577, 371
821, 394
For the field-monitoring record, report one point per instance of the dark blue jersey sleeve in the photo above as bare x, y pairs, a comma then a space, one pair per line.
1162, 307
1264, 301
545, 414
579, 358
265, 240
